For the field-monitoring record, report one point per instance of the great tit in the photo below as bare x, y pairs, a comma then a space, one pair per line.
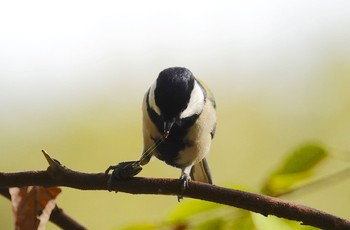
179, 122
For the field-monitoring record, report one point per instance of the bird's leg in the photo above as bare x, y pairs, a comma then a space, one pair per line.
123, 170
185, 178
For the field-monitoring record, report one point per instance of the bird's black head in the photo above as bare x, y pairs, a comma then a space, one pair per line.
173, 92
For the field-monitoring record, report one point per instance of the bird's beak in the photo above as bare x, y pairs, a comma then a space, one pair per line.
167, 127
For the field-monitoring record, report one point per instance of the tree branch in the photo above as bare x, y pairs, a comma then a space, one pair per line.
61, 219
57, 175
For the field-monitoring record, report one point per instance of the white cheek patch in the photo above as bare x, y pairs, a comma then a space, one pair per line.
151, 99
196, 104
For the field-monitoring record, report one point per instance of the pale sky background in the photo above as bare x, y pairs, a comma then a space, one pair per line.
73, 74
52, 50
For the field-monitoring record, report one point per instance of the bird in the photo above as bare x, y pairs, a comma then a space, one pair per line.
181, 109
179, 123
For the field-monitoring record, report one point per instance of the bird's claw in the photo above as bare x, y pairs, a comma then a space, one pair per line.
184, 183
123, 170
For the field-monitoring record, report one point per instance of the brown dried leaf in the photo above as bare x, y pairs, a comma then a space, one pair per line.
32, 206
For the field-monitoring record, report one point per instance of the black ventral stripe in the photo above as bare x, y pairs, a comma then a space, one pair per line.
170, 148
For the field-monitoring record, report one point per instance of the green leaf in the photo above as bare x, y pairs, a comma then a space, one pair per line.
220, 218
141, 227
303, 159
273, 222
245, 221
297, 167
190, 208
211, 224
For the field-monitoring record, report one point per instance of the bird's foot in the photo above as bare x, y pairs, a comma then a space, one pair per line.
184, 183
123, 170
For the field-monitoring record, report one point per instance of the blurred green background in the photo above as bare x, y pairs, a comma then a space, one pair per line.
73, 74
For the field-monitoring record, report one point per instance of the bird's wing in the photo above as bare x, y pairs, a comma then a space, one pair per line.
201, 172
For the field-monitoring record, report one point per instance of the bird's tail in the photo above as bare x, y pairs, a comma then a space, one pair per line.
201, 172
